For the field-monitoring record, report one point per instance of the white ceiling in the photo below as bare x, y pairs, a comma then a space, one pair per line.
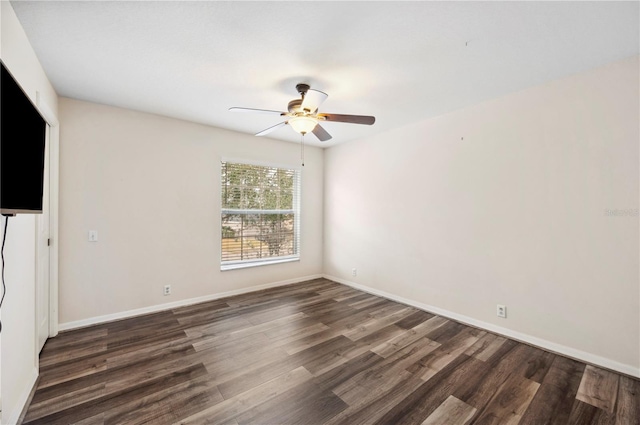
399, 61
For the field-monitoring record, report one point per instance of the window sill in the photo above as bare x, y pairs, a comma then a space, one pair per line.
236, 266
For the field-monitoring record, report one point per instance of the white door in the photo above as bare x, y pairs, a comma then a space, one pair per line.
42, 257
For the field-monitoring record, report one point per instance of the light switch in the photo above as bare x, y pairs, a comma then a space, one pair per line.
93, 236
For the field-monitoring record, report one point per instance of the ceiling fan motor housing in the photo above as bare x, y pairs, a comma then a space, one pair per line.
295, 106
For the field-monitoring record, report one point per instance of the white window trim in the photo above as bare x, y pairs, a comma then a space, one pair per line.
243, 264
259, 163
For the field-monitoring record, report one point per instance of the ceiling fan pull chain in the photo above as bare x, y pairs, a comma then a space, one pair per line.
302, 148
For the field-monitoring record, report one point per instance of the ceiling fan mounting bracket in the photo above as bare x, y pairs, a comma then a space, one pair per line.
302, 88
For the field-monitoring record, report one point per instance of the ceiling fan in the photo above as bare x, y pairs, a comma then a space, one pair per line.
303, 115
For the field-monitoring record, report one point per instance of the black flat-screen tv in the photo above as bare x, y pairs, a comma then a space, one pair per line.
22, 150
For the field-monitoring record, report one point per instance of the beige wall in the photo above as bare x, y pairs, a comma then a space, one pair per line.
150, 186
18, 338
504, 202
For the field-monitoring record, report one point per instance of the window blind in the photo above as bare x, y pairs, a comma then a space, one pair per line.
260, 214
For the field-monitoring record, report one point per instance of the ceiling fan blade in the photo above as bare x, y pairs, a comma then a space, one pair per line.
313, 99
261, 111
353, 119
270, 129
321, 133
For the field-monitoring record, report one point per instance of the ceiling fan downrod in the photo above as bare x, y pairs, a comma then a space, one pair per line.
302, 89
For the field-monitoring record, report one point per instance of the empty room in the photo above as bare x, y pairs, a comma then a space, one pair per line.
332, 212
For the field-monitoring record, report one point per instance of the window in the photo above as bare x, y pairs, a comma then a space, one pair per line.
260, 215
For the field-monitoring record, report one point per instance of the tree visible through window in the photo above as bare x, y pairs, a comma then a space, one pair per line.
260, 214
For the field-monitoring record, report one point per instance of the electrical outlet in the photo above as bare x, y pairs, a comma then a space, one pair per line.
93, 236
354, 272
167, 289
501, 311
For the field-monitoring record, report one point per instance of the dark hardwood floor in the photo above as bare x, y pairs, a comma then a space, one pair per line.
315, 353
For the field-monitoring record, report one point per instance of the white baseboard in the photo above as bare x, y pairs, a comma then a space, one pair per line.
518, 336
181, 303
13, 416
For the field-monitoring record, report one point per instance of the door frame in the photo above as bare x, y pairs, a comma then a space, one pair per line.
54, 156
43, 254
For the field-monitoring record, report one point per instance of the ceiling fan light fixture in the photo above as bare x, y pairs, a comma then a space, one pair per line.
303, 125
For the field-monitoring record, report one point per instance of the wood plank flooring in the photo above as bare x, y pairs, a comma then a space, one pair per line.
315, 353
